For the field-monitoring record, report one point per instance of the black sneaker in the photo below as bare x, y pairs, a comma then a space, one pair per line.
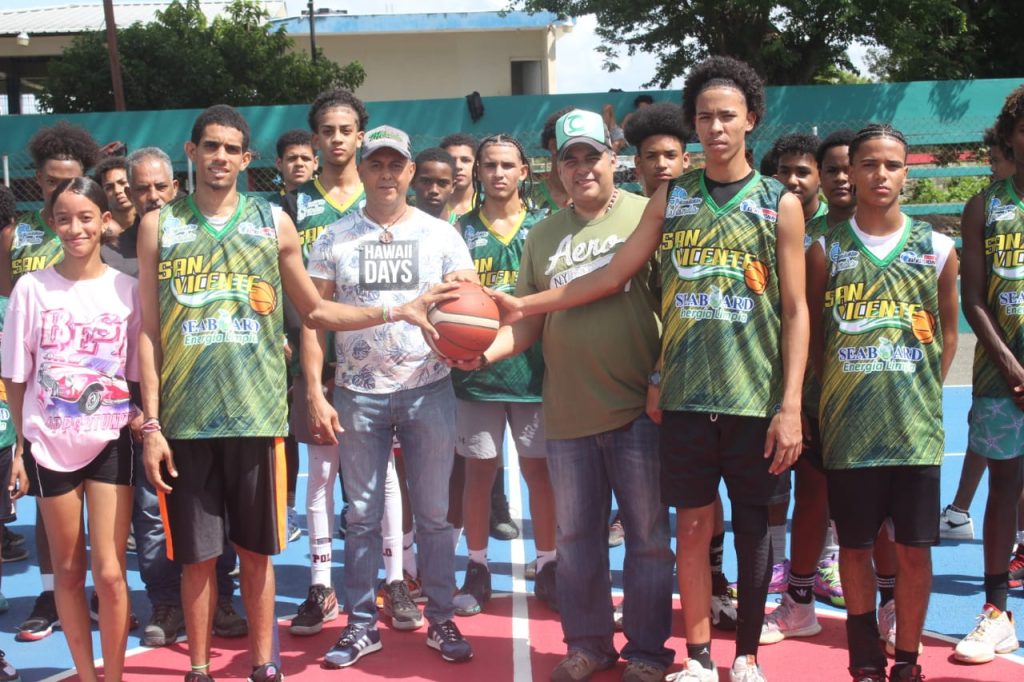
475, 592
544, 587
867, 675
12, 537
502, 525
399, 606
164, 625
905, 673
321, 606
11, 551
41, 621
8, 673
94, 612
197, 676
268, 672
355, 642
227, 622
446, 638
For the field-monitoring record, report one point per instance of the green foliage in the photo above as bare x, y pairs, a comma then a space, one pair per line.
181, 61
954, 190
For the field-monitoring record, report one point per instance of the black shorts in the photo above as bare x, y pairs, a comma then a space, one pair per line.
812, 445
860, 500
115, 465
7, 514
237, 481
698, 450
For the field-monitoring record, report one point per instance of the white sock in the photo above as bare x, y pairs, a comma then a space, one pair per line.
478, 556
323, 470
47, 580
456, 536
544, 557
778, 542
391, 525
409, 555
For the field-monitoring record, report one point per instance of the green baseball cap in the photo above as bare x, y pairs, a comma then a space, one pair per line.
581, 126
386, 136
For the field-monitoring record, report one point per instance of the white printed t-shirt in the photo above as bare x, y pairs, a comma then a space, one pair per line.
388, 357
74, 345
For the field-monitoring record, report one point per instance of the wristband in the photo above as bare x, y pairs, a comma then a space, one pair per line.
150, 426
385, 313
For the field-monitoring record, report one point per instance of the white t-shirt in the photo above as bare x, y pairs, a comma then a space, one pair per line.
389, 357
882, 246
74, 345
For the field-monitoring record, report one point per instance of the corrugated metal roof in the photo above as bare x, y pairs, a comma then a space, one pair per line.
328, 23
89, 17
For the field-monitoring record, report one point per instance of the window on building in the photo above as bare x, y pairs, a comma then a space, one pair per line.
527, 77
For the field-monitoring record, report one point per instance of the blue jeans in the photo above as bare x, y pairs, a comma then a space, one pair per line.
424, 419
584, 472
160, 575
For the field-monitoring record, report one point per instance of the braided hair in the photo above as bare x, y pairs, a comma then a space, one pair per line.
524, 188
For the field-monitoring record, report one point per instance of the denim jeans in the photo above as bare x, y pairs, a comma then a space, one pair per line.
584, 472
160, 575
424, 419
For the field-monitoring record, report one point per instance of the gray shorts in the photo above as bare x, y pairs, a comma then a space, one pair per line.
480, 429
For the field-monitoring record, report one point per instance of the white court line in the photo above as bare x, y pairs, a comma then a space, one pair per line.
522, 667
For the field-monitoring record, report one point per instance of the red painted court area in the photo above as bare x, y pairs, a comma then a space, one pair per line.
406, 657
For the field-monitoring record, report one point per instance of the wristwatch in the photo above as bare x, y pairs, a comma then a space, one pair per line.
654, 379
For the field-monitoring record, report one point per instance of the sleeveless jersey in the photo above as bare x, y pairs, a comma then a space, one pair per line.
221, 326
312, 210
520, 378
7, 433
35, 246
1004, 270
814, 228
881, 397
720, 299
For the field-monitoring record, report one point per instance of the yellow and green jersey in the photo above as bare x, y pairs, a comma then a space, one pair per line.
312, 209
35, 246
1004, 271
815, 228
497, 259
881, 396
221, 327
721, 308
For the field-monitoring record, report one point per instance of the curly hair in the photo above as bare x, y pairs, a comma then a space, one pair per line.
796, 143
663, 118
221, 115
990, 138
108, 164
434, 155
724, 72
64, 142
875, 130
292, 138
459, 140
1012, 111
339, 97
839, 138
8, 206
547, 135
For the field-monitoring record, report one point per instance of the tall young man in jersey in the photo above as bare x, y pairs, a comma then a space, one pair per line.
462, 147
212, 266
59, 152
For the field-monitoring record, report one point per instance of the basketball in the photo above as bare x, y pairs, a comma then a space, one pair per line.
467, 325
262, 297
923, 324
756, 276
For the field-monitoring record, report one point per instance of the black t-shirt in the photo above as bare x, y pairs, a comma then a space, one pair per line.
121, 252
722, 192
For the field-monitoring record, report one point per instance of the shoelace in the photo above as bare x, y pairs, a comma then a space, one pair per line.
980, 628
400, 597
449, 632
350, 635
316, 602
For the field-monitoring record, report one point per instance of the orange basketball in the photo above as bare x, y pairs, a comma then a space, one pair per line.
756, 276
262, 297
467, 325
923, 324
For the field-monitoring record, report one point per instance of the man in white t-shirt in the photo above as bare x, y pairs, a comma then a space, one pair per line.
389, 382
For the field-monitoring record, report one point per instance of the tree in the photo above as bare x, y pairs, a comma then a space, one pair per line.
787, 42
181, 61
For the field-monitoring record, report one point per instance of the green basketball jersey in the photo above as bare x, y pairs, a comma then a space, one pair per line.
35, 246
7, 433
814, 228
520, 378
720, 299
221, 325
881, 397
312, 210
1004, 269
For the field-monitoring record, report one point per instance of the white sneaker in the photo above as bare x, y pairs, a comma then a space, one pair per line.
955, 525
887, 628
994, 633
746, 669
723, 612
693, 671
790, 619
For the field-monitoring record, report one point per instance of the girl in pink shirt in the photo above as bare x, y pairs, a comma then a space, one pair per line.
69, 350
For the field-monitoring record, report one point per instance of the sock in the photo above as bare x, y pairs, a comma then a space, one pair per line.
863, 643
778, 542
996, 587
544, 557
886, 588
409, 555
958, 509
323, 469
905, 658
391, 525
801, 587
456, 536
700, 653
479, 556
47, 580
753, 555
831, 550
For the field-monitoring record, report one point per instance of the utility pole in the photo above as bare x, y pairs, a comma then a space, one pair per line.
312, 30
115, 59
